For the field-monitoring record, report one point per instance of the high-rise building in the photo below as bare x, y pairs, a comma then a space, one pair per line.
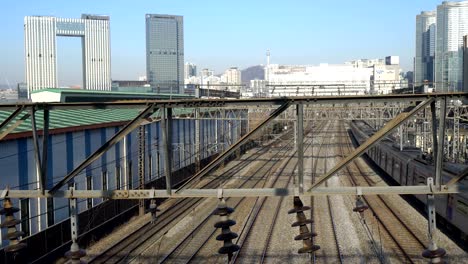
190, 70
452, 25
165, 53
40, 44
425, 47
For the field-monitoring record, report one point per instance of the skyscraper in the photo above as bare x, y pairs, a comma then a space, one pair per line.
190, 70
452, 25
425, 47
41, 46
165, 53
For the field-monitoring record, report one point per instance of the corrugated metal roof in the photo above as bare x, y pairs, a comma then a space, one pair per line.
80, 117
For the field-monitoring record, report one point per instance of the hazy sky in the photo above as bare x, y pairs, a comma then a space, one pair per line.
220, 34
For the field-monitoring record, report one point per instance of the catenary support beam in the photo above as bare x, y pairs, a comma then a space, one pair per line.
250, 192
187, 103
14, 125
235, 146
388, 128
11, 117
129, 127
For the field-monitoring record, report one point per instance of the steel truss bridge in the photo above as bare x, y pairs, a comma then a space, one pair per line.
425, 114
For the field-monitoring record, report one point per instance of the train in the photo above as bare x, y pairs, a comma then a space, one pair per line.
410, 167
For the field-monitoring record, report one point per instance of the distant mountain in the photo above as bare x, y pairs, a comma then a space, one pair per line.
252, 73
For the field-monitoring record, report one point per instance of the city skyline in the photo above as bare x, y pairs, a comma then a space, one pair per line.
218, 36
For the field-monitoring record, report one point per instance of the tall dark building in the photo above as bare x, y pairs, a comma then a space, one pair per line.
165, 53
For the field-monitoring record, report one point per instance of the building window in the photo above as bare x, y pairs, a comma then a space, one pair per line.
150, 167
104, 180
130, 175
117, 178
25, 216
89, 186
50, 211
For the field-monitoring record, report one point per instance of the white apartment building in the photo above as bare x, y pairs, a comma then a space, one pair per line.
452, 25
232, 76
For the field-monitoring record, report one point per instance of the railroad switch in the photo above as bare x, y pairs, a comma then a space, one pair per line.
226, 235
361, 206
304, 234
153, 209
15, 246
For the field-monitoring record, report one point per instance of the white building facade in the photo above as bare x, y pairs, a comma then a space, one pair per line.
324, 79
40, 43
452, 25
232, 76
425, 47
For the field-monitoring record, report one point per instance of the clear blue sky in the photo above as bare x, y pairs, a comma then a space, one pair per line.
220, 34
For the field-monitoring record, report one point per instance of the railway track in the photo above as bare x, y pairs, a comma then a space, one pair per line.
192, 243
402, 236
198, 246
324, 214
123, 248
259, 213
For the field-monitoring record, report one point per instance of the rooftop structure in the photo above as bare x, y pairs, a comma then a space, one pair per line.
76, 95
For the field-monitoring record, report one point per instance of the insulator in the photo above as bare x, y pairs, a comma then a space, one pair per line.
304, 234
435, 255
226, 223
10, 222
226, 235
153, 209
361, 206
304, 222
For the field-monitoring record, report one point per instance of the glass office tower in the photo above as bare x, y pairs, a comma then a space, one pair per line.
165, 53
425, 48
452, 25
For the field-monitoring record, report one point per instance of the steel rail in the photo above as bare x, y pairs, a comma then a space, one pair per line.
373, 209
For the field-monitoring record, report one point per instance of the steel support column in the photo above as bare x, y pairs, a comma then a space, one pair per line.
166, 129
197, 140
37, 155
129, 127
141, 166
440, 143
45, 147
300, 146
75, 252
